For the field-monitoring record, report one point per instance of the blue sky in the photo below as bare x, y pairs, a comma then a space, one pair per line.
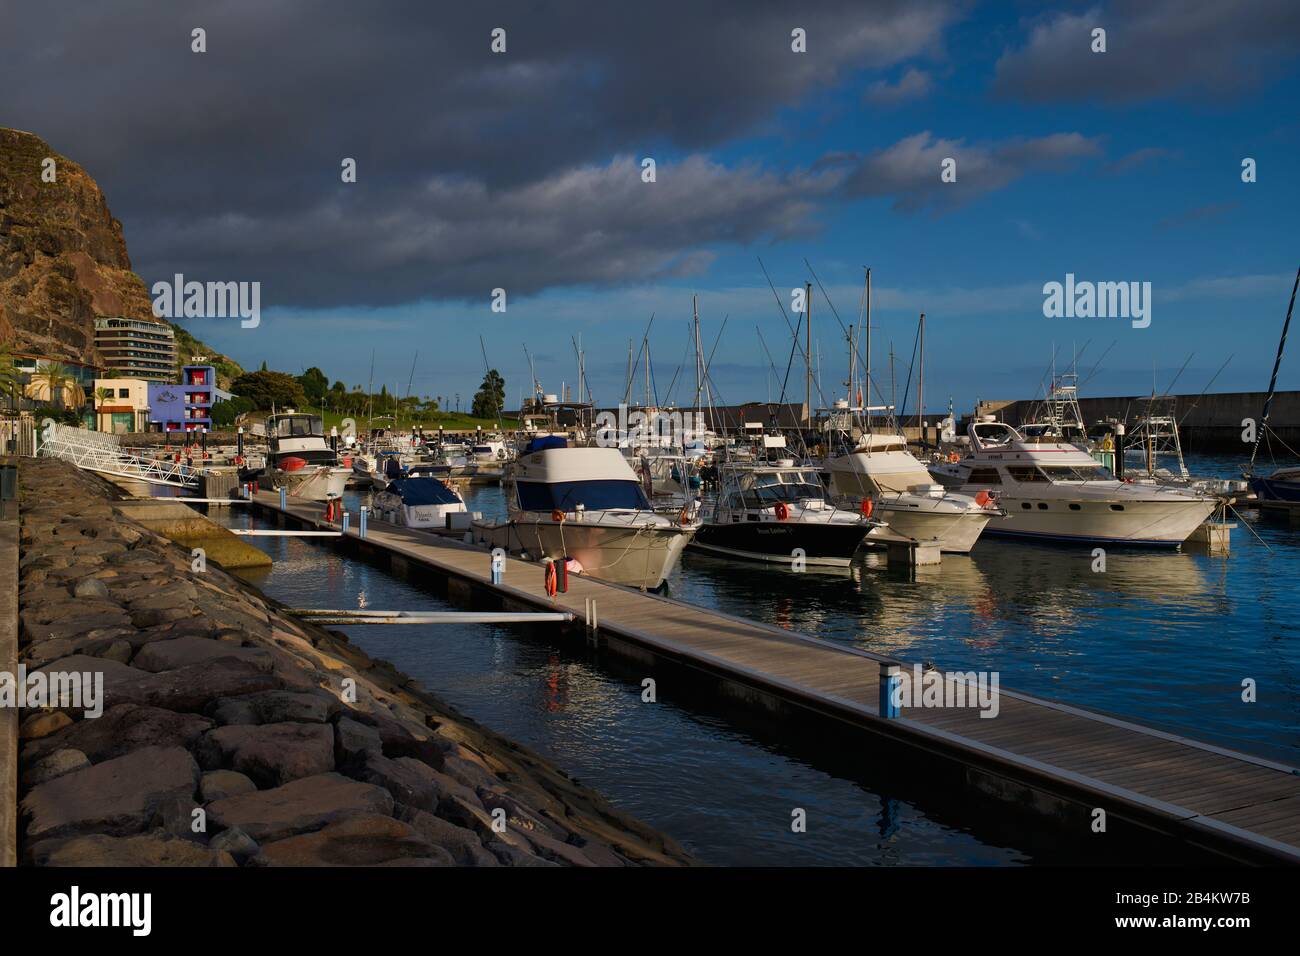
1120, 166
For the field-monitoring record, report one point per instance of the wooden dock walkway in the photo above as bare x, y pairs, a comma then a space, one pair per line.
1237, 805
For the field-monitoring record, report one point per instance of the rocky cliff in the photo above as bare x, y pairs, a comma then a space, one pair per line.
62, 256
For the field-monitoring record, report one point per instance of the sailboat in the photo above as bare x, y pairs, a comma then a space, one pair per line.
1283, 484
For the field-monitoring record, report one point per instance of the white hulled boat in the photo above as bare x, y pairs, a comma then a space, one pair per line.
417, 498
585, 505
905, 496
1054, 490
300, 460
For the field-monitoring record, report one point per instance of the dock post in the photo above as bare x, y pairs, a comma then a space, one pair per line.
890, 680
498, 565
347, 520
284, 504
361, 524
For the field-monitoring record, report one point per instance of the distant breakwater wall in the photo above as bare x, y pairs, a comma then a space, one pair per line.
1211, 423
234, 734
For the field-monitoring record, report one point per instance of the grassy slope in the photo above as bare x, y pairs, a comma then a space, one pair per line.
430, 421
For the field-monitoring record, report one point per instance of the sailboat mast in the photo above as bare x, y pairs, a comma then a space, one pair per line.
920, 386
808, 350
1272, 382
866, 401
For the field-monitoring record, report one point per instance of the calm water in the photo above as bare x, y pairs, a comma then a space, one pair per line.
1166, 638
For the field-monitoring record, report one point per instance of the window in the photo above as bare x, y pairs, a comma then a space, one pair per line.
1025, 473
1116, 507
123, 393
1042, 506
984, 476
1026, 505
602, 494
1074, 506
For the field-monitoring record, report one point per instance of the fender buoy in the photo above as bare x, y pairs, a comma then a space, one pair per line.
557, 515
954, 457
550, 579
983, 499
867, 506
782, 511
684, 516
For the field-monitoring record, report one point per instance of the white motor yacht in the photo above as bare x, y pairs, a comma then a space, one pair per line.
1053, 490
904, 495
300, 460
586, 506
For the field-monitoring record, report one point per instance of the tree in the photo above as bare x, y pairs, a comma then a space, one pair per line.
102, 395
269, 389
53, 382
10, 377
314, 384
490, 397
225, 413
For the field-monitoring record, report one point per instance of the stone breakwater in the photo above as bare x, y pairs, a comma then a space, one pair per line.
235, 734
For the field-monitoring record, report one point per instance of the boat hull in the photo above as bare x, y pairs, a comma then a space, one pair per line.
1268, 489
821, 543
1144, 523
955, 532
313, 484
636, 557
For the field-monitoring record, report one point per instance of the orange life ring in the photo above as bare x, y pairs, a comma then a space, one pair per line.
782, 511
954, 457
684, 516
866, 507
557, 515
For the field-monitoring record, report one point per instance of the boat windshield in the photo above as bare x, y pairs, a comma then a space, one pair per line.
298, 426
603, 494
767, 488
1068, 473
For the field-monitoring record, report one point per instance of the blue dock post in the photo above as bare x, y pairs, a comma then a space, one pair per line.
890, 680
346, 521
361, 525
498, 565
284, 504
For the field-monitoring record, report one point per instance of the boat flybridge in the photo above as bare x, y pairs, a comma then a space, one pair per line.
882, 470
586, 507
777, 511
300, 459
1052, 489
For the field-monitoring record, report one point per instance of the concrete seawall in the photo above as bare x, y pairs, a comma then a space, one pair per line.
1211, 422
234, 734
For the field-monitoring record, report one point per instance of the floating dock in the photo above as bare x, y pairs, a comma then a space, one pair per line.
1054, 758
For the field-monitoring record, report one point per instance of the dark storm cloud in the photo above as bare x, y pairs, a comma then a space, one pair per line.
1154, 48
474, 169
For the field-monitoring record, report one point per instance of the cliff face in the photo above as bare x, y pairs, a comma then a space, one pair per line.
62, 256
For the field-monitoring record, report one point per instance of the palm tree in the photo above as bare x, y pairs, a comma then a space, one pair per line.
102, 395
10, 377
53, 379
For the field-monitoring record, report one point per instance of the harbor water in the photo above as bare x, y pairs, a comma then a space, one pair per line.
1166, 638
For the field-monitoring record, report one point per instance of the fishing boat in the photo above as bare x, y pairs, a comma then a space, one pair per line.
1053, 490
880, 469
300, 459
417, 498
586, 507
780, 513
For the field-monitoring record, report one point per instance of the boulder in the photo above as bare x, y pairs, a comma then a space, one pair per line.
276, 706
414, 783
354, 742
235, 842
151, 849
363, 840
55, 765
270, 754
122, 729
187, 651
306, 804
508, 855
119, 797
219, 784
192, 688
42, 725
90, 588
463, 845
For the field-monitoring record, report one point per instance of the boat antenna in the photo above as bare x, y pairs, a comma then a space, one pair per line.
1272, 382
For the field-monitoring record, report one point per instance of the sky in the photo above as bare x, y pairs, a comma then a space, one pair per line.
522, 170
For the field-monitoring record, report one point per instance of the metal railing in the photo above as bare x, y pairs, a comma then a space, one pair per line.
103, 452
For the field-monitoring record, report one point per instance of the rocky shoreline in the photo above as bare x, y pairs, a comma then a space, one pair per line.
235, 734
